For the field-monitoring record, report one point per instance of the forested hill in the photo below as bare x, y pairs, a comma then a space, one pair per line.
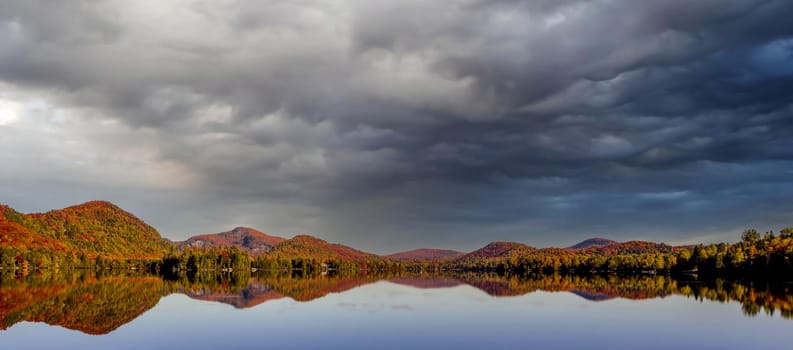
245, 238
103, 235
304, 246
499, 250
592, 242
14, 234
425, 254
92, 228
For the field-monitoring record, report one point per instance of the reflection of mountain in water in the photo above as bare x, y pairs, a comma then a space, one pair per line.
590, 286
96, 304
260, 289
254, 294
100, 304
432, 282
592, 296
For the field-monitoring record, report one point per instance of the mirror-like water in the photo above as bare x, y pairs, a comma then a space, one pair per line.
463, 311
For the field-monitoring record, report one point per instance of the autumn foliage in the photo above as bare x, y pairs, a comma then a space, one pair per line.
97, 303
245, 238
100, 234
93, 228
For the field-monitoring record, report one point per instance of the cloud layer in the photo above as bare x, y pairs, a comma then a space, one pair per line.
397, 124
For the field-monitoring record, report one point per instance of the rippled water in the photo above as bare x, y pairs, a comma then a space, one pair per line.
465, 311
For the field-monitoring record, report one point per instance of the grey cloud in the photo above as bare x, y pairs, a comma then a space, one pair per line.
417, 121
88, 22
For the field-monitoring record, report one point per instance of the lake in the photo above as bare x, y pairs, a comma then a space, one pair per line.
405, 311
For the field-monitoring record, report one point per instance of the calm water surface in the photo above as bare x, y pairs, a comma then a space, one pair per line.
404, 312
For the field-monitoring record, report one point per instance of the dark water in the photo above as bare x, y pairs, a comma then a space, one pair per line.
464, 311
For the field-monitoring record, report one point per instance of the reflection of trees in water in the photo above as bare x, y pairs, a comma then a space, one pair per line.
97, 303
94, 303
87, 303
755, 296
247, 290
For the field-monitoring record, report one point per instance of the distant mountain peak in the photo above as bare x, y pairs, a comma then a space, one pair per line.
632, 247
499, 249
97, 202
94, 205
245, 238
308, 238
592, 242
99, 208
425, 254
505, 244
309, 246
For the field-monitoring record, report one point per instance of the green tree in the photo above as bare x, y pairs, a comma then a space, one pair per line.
750, 236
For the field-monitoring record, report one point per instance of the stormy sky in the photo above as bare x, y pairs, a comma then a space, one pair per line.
398, 124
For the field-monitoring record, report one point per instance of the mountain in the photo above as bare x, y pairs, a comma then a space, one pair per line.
608, 247
429, 282
314, 248
425, 254
245, 238
631, 247
13, 234
592, 242
592, 296
96, 227
499, 250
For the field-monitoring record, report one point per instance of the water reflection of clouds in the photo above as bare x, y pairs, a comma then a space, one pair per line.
404, 307
379, 314
348, 306
537, 303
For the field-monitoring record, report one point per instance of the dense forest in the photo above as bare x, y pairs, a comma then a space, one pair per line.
100, 236
90, 234
767, 255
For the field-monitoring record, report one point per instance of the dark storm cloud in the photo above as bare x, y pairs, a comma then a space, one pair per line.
411, 122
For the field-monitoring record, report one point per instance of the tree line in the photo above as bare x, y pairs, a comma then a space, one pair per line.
756, 254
